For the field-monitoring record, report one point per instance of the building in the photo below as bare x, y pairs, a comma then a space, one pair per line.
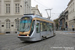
66, 19
56, 24
10, 13
35, 10
71, 15
61, 21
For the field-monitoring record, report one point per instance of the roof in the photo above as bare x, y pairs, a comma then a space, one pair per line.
70, 2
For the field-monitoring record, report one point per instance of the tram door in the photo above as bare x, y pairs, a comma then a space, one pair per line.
38, 30
51, 29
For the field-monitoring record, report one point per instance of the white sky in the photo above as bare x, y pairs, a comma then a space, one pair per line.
57, 7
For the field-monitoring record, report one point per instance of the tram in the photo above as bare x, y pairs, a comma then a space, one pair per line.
35, 28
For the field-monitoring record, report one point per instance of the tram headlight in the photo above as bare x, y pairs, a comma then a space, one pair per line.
18, 34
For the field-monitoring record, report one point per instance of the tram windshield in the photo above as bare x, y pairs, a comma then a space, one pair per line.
25, 24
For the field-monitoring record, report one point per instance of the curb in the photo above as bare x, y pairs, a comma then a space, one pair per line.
72, 32
1, 33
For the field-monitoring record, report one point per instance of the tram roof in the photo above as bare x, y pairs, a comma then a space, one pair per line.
37, 16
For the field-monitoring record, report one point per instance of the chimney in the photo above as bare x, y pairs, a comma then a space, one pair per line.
36, 6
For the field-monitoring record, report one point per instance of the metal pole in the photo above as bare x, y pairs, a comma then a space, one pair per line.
50, 13
47, 13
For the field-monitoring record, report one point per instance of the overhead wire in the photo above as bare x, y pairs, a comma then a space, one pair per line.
41, 4
44, 7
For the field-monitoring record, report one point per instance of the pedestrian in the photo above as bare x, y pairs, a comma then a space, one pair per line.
73, 29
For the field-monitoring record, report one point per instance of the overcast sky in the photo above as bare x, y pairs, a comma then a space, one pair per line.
57, 7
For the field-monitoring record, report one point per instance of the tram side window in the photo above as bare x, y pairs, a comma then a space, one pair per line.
48, 27
51, 27
38, 28
41, 27
44, 27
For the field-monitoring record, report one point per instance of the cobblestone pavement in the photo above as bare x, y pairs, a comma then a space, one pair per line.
10, 42
62, 41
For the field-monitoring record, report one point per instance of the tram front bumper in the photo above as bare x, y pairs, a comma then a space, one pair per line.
26, 38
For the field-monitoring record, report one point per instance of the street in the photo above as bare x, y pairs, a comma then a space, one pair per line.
63, 40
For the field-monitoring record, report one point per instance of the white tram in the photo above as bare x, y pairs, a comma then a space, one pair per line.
34, 28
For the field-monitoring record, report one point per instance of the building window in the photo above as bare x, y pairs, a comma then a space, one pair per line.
66, 17
17, 8
0, 24
7, 8
8, 24
33, 12
0, 7
16, 0
17, 23
38, 28
12, 25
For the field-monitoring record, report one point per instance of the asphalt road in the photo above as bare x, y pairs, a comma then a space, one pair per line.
62, 41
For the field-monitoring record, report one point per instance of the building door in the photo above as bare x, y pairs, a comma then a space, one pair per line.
8, 30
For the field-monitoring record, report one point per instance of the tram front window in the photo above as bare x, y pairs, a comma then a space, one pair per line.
25, 25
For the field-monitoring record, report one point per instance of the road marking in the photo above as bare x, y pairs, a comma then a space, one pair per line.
66, 48
64, 33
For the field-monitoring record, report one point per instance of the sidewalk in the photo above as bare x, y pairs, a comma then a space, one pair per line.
1, 33
6, 34
70, 31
